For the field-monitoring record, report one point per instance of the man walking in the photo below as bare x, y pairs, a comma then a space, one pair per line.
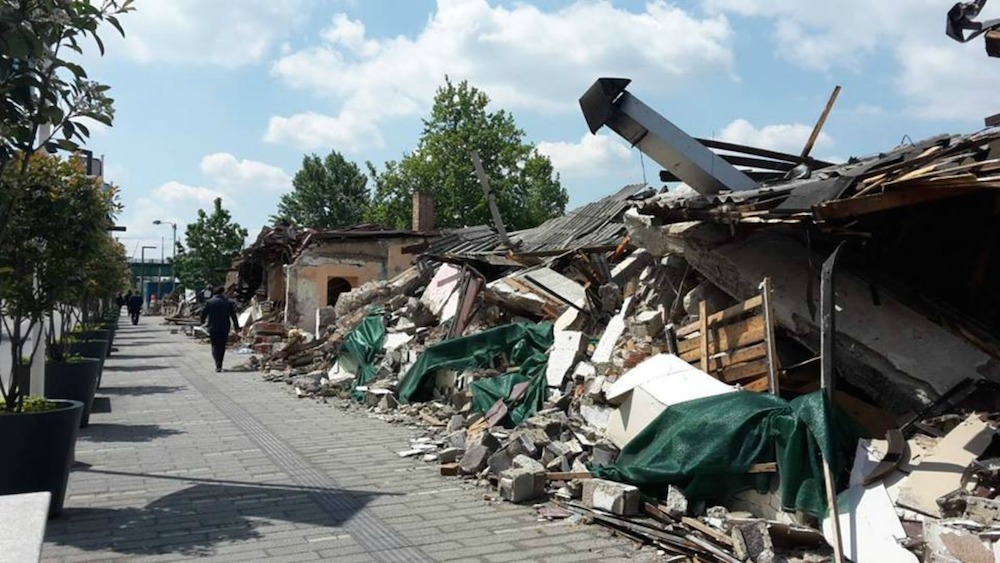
219, 311
134, 303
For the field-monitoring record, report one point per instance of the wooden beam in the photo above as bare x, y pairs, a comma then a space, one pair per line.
742, 355
703, 316
490, 200
567, 475
767, 292
853, 207
819, 124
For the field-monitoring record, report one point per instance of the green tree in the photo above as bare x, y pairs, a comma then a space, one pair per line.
327, 193
526, 189
212, 240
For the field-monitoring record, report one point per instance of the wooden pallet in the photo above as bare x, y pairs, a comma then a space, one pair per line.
739, 348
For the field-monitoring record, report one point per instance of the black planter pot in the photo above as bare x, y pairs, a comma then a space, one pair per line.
38, 451
91, 349
75, 380
104, 334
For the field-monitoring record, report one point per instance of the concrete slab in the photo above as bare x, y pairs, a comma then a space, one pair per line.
22, 526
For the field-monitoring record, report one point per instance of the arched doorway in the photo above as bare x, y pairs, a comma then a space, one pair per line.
334, 287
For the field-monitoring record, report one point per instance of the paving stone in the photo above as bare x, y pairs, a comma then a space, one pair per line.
192, 463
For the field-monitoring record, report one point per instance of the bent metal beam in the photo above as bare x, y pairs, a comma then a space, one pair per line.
606, 103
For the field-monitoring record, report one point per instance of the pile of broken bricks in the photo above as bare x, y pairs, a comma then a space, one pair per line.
612, 369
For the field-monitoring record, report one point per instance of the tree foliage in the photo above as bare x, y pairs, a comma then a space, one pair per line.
526, 189
327, 193
60, 223
212, 240
40, 86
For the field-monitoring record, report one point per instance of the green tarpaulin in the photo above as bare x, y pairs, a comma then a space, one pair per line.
523, 344
706, 446
362, 345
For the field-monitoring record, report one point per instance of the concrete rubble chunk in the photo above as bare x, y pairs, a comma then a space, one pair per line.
609, 339
483, 438
648, 324
752, 541
955, 542
500, 461
525, 462
630, 268
456, 439
450, 455
610, 496
676, 503
569, 346
522, 484
456, 423
475, 459
982, 510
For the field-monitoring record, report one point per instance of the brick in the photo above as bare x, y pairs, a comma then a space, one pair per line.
617, 498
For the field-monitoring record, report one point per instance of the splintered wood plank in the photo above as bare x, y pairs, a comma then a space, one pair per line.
725, 315
703, 315
736, 335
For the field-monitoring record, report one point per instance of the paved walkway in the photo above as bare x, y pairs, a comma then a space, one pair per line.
185, 462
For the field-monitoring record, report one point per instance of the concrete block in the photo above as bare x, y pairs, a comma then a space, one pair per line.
500, 461
475, 459
752, 541
630, 268
609, 340
23, 518
952, 542
450, 455
525, 462
483, 438
647, 324
610, 496
519, 485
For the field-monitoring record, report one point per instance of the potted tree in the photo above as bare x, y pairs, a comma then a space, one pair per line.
43, 95
80, 255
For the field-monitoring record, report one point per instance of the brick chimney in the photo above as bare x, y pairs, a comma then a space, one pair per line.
423, 211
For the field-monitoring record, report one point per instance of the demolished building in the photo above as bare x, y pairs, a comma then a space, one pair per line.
673, 340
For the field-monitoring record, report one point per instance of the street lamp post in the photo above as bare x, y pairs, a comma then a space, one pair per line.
142, 274
173, 259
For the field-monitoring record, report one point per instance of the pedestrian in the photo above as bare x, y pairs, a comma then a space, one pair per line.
134, 302
219, 311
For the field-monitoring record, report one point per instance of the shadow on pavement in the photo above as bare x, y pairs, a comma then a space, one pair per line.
107, 432
193, 521
123, 369
137, 390
138, 357
102, 405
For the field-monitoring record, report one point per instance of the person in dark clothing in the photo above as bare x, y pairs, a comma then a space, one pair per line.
134, 303
219, 311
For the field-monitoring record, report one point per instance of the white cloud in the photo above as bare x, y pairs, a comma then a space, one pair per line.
311, 131
522, 56
206, 32
234, 176
593, 155
789, 138
942, 82
936, 77
226, 176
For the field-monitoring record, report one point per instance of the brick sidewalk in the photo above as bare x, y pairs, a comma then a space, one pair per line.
191, 463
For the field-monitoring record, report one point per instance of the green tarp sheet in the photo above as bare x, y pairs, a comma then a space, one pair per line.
706, 446
524, 345
362, 345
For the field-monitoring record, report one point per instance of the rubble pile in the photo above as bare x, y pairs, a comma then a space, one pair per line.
654, 363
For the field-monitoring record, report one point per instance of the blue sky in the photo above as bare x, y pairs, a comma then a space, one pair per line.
224, 97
